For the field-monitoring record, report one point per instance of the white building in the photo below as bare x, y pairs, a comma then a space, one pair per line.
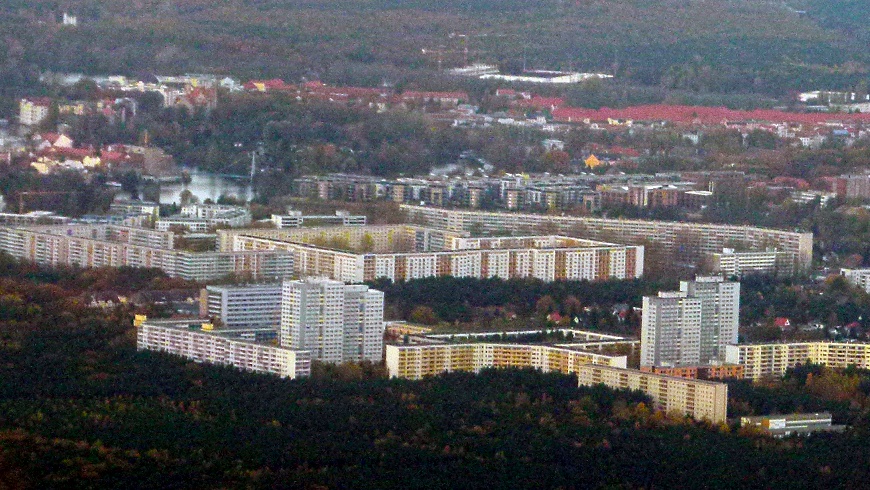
127, 206
249, 306
33, 111
198, 344
116, 246
732, 263
336, 322
691, 326
670, 330
720, 314
858, 277
295, 219
202, 217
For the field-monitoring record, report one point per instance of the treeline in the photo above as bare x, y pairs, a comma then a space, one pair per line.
666, 43
484, 301
80, 408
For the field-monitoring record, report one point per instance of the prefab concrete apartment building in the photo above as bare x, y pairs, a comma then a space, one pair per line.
116, 246
194, 342
692, 242
404, 252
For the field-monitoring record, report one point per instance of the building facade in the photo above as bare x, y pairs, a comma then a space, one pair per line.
670, 330
248, 306
713, 371
200, 345
419, 361
773, 359
731, 263
692, 326
336, 322
690, 242
401, 253
858, 277
117, 246
33, 111
697, 398
720, 314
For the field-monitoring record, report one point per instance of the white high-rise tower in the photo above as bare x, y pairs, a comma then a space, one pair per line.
336, 322
691, 326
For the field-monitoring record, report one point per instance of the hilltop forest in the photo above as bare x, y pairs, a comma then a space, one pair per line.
703, 46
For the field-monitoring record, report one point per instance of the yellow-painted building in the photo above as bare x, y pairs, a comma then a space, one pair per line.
774, 359
418, 361
697, 398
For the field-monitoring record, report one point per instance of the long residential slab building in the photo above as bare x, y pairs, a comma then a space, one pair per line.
418, 361
198, 344
773, 359
698, 398
692, 242
404, 252
115, 246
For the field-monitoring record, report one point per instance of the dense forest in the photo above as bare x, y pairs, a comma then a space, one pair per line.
81, 408
705, 46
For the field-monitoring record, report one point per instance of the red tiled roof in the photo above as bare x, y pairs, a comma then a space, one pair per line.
707, 115
411, 95
50, 137
541, 102
42, 101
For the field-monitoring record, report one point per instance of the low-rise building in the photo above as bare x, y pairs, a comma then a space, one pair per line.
295, 219
32, 218
711, 371
203, 217
792, 424
32, 111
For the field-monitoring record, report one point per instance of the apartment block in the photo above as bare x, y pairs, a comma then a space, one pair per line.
247, 306
774, 359
670, 330
33, 111
713, 371
697, 398
126, 206
203, 217
720, 314
399, 253
116, 246
690, 242
196, 343
691, 326
295, 219
731, 263
336, 322
858, 277
32, 218
418, 361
